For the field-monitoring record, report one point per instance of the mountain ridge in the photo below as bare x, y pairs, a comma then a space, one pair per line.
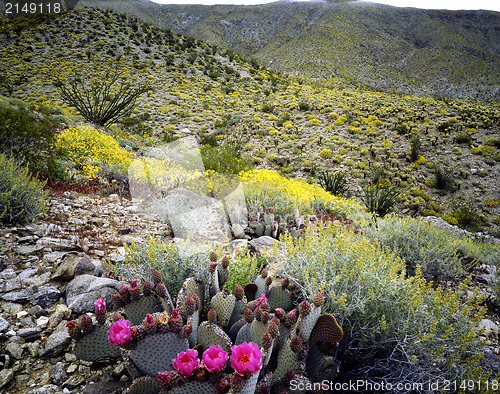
405, 50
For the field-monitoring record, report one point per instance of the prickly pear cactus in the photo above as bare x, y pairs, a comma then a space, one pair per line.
212, 334
95, 346
279, 298
137, 310
326, 329
193, 386
144, 385
155, 352
223, 303
243, 335
288, 360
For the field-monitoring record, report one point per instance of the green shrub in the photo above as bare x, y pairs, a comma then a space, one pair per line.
463, 138
443, 178
465, 212
27, 132
380, 201
326, 153
416, 143
142, 258
224, 159
335, 183
22, 198
304, 106
395, 328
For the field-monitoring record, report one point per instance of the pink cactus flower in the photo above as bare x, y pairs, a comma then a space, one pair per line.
100, 306
186, 362
120, 333
246, 358
215, 359
133, 286
149, 321
260, 300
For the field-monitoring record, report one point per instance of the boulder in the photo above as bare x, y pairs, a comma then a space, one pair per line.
82, 292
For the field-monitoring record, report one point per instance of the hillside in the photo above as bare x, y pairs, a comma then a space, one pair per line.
295, 127
405, 295
405, 50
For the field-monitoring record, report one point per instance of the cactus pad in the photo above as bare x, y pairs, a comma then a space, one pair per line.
144, 385
136, 311
223, 303
212, 334
287, 360
195, 387
235, 328
243, 335
155, 352
250, 291
306, 324
326, 329
321, 366
95, 346
238, 312
279, 298
257, 329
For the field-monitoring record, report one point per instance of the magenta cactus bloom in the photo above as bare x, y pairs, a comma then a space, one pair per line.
215, 359
100, 306
133, 286
120, 333
149, 321
260, 300
246, 358
186, 362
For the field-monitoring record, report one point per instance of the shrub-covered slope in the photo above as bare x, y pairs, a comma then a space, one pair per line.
407, 50
440, 154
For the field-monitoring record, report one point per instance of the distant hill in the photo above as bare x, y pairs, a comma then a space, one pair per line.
406, 50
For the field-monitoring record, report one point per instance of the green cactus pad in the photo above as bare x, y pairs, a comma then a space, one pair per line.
287, 360
95, 346
261, 286
223, 274
194, 320
211, 334
223, 303
320, 366
279, 298
257, 329
144, 385
195, 387
235, 328
243, 335
136, 311
155, 352
326, 329
238, 312
250, 291
250, 384
306, 325
189, 287
284, 334
214, 287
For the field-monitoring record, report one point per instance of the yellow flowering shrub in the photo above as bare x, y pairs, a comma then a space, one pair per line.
91, 150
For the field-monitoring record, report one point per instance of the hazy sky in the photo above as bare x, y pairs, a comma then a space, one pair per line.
431, 4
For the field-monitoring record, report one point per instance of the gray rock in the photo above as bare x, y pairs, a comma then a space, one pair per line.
58, 374
66, 269
82, 292
46, 296
73, 382
84, 266
57, 341
55, 319
27, 250
239, 245
18, 296
258, 245
55, 244
104, 388
33, 348
53, 257
15, 350
29, 332
6, 376
46, 389
4, 324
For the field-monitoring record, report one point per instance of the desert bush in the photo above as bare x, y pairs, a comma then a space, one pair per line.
22, 198
268, 107
395, 328
380, 201
92, 151
27, 133
304, 106
142, 258
225, 159
443, 178
335, 183
416, 143
421, 244
102, 98
463, 138
465, 212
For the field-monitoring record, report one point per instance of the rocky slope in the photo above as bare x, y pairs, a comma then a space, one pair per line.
406, 50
